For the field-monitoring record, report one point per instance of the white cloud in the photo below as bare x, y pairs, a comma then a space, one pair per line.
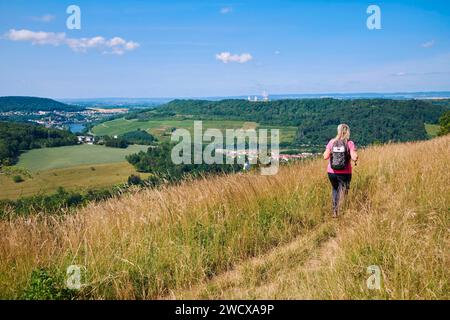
83, 44
39, 37
227, 57
44, 18
226, 10
427, 73
131, 45
114, 45
428, 44
116, 41
277, 52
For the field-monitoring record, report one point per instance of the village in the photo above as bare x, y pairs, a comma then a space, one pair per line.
64, 120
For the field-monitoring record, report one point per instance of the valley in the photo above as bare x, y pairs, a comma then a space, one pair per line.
304, 128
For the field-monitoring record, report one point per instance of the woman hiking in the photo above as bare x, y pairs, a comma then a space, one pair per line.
340, 151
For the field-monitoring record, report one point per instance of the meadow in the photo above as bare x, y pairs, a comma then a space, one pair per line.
161, 128
77, 167
250, 236
70, 156
71, 178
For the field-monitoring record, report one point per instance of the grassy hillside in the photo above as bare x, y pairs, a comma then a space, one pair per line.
71, 178
161, 128
70, 156
251, 236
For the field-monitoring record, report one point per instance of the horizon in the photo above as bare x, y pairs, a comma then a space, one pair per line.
414, 94
325, 94
222, 49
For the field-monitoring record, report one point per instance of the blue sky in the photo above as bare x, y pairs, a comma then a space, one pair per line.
179, 48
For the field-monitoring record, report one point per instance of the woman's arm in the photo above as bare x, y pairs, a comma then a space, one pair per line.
326, 154
354, 155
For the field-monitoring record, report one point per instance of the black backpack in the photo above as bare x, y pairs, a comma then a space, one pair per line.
340, 155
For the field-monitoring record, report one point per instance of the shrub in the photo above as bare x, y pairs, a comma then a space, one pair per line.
18, 179
134, 180
47, 285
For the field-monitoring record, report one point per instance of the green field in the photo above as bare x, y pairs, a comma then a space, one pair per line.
92, 166
72, 167
71, 156
161, 128
73, 178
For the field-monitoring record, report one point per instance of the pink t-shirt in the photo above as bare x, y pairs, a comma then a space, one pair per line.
348, 170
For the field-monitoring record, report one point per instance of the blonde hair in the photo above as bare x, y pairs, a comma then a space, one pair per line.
343, 132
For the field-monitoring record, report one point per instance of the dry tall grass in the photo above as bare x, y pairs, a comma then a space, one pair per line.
159, 243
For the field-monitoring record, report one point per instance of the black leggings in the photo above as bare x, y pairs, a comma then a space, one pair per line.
340, 184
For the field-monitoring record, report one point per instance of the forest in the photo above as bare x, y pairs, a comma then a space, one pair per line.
371, 120
158, 162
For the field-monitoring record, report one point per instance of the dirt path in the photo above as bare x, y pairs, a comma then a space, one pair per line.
270, 276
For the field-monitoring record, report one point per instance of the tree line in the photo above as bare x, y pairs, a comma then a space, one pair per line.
371, 120
18, 137
157, 160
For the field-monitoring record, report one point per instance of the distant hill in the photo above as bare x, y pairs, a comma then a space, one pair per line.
31, 104
371, 120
